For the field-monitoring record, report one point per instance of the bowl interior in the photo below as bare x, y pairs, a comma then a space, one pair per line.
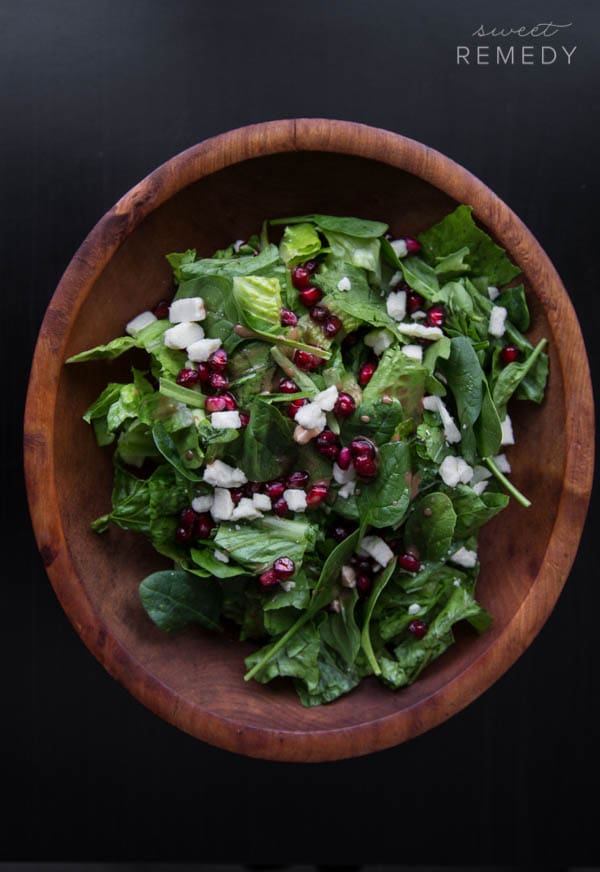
201, 669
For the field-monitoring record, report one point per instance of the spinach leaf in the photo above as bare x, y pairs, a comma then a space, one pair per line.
205, 559
177, 260
453, 263
421, 277
105, 352
296, 657
360, 227
384, 501
335, 679
130, 503
340, 631
174, 600
465, 377
167, 446
365, 637
383, 419
430, 525
472, 511
513, 375
488, 429
235, 266
266, 443
513, 300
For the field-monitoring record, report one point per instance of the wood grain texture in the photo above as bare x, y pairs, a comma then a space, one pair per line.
221, 190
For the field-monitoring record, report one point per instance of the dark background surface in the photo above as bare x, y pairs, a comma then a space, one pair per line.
93, 96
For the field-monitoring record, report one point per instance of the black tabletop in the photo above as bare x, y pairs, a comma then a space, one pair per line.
93, 96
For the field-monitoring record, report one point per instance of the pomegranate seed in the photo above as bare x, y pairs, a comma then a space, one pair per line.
318, 314
244, 420
305, 361
310, 296
316, 494
218, 360
230, 401
251, 488
268, 578
236, 494
183, 534
288, 318
344, 458
274, 489
365, 466
414, 302
366, 373
300, 277
161, 310
218, 381
363, 583
188, 518
344, 406
361, 445
412, 245
418, 628
333, 325
280, 507
187, 378
341, 532
297, 479
436, 316
284, 567
327, 444
204, 526
409, 562
288, 386
509, 354
215, 404
295, 405
203, 371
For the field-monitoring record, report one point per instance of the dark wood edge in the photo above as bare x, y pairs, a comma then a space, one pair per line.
187, 167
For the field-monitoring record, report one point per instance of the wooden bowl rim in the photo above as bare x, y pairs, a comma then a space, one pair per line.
209, 156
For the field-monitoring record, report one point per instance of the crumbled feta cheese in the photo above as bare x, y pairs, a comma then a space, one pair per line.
222, 507
415, 352
246, 511
138, 323
348, 576
414, 609
327, 399
497, 319
183, 335
187, 309
464, 557
202, 504
379, 340
451, 431
456, 582
419, 315
419, 331
201, 350
508, 437
493, 292
262, 502
455, 470
399, 246
344, 284
295, 499
479, 486
480, 473
396, 279
220, 474
501, 461
226, 420
396, 305
238, 244
287, 586
347, 490
376, 548
220, 555
311, 417
342, 476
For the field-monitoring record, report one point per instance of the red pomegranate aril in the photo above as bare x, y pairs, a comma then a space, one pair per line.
306, 361
280, 507
409, 562
288, 318
215, 404
236, 494
300, 277
161, 310
332, 327
187, 378
218, 360
244, 419
412, 245
344, 458
274, 489
268, 578
509, 354
284, 567
251, 488
298, 479
218, 381
436, 316
288, 386
183, 534
230, 401
365, 466
344, 406
361, 445
295, 405
203, 371
363, 583
327, 444
366, 373
310, 296
316, 494
187, 518
204, 526
318, 314
414, 302
418, 628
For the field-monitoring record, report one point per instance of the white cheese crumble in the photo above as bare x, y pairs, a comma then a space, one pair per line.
464, 557
451, 431
376, 548
220, 474
379, 340
399, 246
344, 284
501, 461
222, 507
201, 350
342, 476
262, 502
183, 335
493, 292
226, 420
396, 305
238, 244
347, 490
415, 352
202, 504
480, 473
287, 586
508, 437
419, 331
327, 399
479, 487
419, 315
138, 323
497, 318
348, 574
311, 417
455, 470
220, 555
246, 511
295, 499
187, 309
396, 278
414, 609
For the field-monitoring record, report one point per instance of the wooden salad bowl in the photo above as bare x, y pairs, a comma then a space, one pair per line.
203, 198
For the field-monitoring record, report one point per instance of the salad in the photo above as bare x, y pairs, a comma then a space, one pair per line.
319, 432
